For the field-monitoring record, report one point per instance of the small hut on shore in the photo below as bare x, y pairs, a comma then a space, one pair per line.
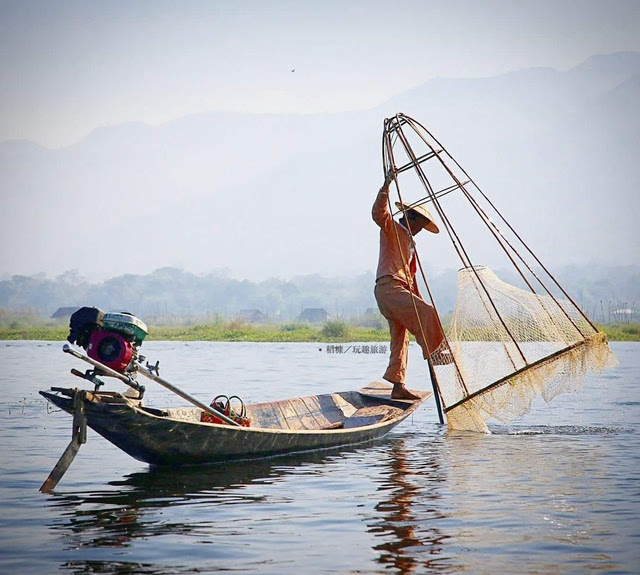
64, 312
313, 315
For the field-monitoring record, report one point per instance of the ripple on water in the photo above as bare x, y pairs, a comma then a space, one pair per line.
561, 430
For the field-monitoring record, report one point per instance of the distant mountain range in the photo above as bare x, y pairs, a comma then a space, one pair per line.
285, 195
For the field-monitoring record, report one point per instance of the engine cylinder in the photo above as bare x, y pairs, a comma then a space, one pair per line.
110, 348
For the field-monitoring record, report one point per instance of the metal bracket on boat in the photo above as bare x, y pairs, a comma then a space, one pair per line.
155, 367
78, 437
89, 375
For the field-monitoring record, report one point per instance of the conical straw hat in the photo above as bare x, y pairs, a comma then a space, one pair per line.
423, 211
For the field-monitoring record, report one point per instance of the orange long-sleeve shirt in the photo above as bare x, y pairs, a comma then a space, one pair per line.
394, 256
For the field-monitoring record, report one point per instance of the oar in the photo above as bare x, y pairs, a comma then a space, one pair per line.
78, 437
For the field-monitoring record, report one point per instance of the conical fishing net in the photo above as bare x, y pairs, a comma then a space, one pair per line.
505, 344
511, 345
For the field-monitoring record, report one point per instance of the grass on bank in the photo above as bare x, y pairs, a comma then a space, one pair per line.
292, 332
621, 331
333, 331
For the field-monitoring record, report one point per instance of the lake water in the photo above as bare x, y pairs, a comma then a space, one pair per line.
556, 492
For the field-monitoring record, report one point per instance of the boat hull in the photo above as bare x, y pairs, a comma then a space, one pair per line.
154, 437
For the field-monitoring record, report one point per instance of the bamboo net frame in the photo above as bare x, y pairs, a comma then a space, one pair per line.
575, 336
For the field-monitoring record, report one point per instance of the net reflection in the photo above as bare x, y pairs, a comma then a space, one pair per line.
411, 507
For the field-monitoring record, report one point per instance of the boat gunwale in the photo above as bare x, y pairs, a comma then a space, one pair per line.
132, 406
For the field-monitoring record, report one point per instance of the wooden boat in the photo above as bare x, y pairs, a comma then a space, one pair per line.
177, 436
187, 436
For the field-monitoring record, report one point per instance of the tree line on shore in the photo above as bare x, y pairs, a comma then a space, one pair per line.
169, 295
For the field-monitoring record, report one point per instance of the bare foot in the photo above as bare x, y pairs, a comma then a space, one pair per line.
401, 392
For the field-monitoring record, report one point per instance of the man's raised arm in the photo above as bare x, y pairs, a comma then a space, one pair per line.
380, 211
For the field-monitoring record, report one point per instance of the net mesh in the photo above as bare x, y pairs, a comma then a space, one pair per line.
510, 345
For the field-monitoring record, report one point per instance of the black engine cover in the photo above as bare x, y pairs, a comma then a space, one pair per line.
82, 323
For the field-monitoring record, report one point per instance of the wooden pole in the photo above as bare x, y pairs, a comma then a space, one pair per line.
436, 390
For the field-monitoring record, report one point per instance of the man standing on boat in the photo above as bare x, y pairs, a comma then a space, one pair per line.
396, 290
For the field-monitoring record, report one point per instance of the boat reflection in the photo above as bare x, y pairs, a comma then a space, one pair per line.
136, 506
220, 502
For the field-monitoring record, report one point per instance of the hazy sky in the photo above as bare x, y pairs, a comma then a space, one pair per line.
70, 66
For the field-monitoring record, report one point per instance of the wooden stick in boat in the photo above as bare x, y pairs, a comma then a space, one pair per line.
144, 371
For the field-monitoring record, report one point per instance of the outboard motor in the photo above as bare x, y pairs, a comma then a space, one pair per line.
110, 338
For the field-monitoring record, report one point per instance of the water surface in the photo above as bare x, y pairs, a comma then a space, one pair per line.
556, 492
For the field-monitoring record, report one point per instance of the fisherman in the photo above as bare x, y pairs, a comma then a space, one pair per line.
396, 288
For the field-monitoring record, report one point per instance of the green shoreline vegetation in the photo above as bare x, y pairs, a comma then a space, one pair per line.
333, 331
